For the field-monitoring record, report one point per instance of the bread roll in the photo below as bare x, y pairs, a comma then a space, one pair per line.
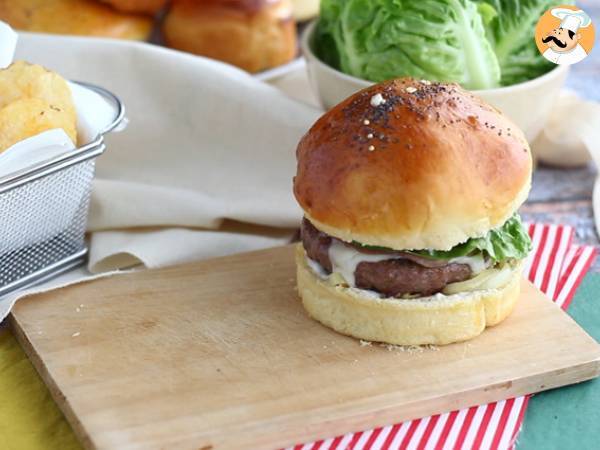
138, 6
254, 35
409, 164
78, 17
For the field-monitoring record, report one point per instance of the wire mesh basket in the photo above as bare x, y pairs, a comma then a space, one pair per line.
44, 212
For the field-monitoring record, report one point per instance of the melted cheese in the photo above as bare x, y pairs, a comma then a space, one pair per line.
477, 263
344, 260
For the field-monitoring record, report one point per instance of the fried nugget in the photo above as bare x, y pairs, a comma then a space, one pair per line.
28, 117
54, 108
24, 80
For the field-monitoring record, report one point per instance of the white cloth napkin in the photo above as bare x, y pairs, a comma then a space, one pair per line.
571, 137
205, 167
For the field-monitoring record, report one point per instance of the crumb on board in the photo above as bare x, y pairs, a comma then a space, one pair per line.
410, 348
75, 334
401, 348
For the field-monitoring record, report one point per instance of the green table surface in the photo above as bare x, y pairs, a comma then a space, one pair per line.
569, 417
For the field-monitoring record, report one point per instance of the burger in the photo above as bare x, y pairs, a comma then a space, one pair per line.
410, 233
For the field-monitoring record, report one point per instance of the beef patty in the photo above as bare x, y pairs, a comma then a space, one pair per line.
403, 273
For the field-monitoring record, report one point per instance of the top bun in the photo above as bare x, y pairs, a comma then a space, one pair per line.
410, 164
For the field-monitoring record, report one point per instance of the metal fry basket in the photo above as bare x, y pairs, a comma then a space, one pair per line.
44, 212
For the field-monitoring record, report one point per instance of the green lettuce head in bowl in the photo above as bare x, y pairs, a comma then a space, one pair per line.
486, 46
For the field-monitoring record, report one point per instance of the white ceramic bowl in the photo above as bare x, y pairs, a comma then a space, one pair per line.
528, 104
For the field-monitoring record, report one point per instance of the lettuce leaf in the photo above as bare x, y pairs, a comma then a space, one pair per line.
477, 43
511, 34
510, 241
440, 40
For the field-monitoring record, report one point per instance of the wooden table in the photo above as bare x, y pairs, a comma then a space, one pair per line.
565, 195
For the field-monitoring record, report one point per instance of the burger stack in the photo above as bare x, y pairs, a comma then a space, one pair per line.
410, 191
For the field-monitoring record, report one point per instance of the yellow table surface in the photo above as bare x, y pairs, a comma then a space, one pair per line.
29, 418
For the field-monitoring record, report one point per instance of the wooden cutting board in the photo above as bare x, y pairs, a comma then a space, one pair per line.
220, 354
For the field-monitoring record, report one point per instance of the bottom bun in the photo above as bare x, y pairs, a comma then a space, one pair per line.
439, 319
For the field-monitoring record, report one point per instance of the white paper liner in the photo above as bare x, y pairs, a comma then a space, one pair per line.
36, 149
8, 44
571, 137
94, 112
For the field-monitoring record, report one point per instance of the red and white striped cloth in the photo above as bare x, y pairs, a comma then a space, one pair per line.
557, 268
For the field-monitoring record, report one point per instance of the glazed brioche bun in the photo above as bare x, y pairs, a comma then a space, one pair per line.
408, 164
438, 320
137, 6
254, 35
77, 17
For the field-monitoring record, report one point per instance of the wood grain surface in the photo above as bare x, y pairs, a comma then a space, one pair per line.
220, 354
564, 196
